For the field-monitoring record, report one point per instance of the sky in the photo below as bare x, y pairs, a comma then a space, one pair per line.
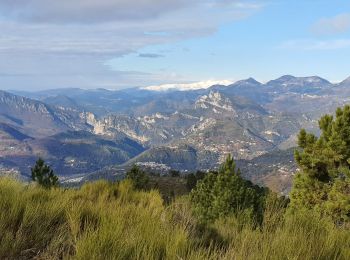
115, 44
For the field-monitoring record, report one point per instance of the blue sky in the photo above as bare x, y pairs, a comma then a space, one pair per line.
118, 43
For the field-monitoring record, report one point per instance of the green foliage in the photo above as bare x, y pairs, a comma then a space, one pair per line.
104, 220
169, 187
139, 178
193, 178
191, 181
174, 173
324, 181
225, 193
98, 221
303, 235
44, 175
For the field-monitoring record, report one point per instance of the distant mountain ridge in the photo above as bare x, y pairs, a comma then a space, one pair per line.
35, 117
30, 129
183, 130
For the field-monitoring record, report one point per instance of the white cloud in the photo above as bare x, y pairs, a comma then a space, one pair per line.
333, 25
316, 45
70, 35
95, 11
189, 86
51, 71
116, 36
92, 11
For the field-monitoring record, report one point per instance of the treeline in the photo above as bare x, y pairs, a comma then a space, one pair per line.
223, 217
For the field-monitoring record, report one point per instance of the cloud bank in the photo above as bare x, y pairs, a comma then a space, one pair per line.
88, 11
74, 38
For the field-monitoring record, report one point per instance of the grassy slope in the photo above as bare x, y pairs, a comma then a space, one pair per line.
102, 220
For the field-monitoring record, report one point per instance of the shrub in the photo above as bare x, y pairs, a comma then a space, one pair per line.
138, 177
192, 179
104, 220
97, 221
174, 173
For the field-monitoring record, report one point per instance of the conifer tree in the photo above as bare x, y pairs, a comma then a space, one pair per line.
43, 174
225, 192
323, 183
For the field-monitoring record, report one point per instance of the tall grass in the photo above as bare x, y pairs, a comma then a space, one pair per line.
104, 220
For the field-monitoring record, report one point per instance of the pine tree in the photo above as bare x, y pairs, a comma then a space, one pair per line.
225, 192
44, 175
323, 183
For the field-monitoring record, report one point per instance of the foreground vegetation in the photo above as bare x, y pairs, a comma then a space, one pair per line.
104, 220
223, 217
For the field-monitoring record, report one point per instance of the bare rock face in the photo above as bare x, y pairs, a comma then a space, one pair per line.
215, 102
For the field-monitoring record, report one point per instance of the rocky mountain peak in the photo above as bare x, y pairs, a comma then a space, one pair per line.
215, 101
286, 78
291, 81
249, 81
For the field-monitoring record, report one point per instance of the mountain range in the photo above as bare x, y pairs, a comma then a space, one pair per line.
91, 132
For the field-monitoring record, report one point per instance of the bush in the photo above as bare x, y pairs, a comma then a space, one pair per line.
139, 178
304, 235
192, 179
103, 220
98, 221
